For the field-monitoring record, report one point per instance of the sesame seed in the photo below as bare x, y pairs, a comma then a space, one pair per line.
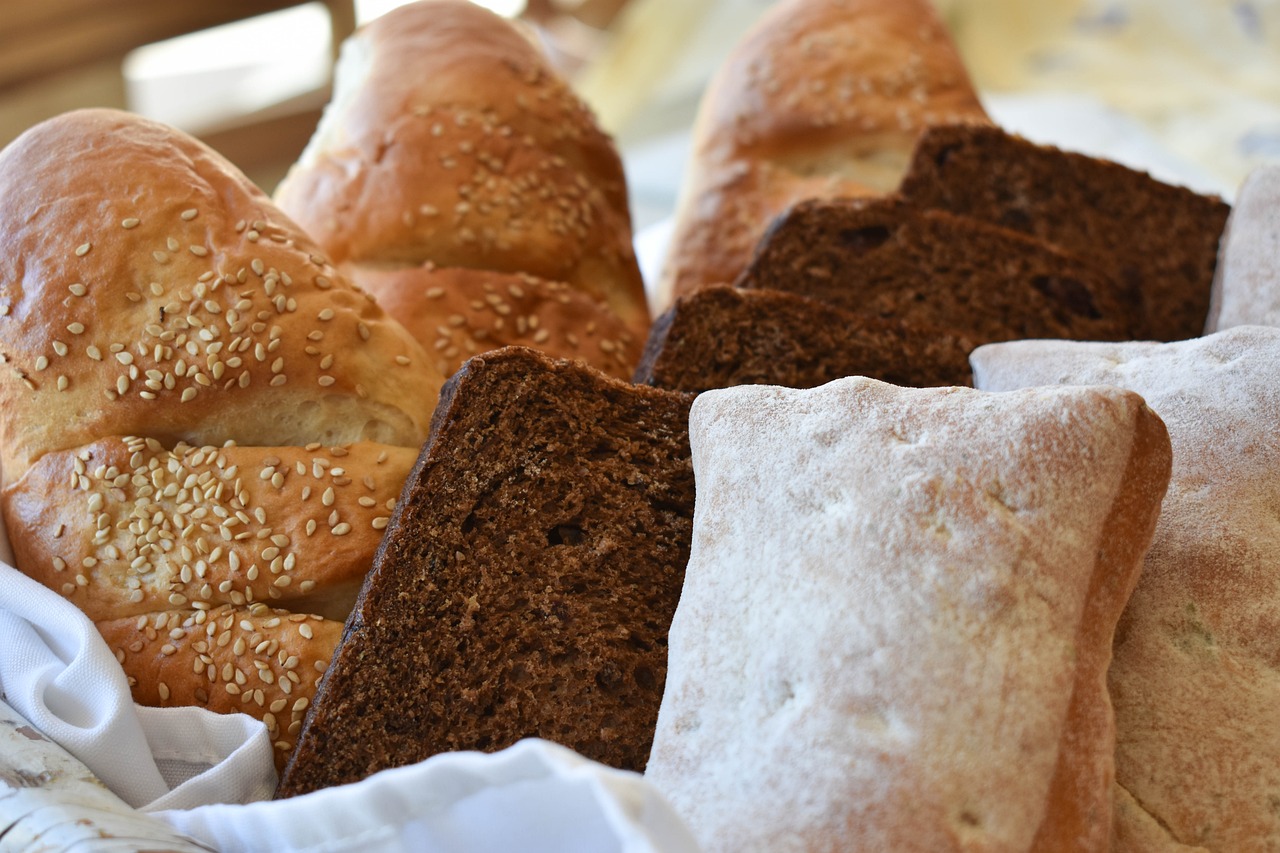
198, 251
326, 381
189, 214
83, 249
326, 314
76, 328
380, 522
340, 529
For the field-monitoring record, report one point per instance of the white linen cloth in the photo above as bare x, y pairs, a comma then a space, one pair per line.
209, 775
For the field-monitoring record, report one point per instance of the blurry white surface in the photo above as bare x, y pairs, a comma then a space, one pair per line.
1082, 123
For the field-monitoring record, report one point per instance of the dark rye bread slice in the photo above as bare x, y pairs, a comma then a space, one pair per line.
722, 336
525, 584
1159, 240
891, 259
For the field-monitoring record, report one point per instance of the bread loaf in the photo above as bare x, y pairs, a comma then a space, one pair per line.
1192, 678
821, 99
199, 414
721, 336
1246, 283
148, 288
526, 583
889, 258
1158, 241
451, 140
458, 312
898, 613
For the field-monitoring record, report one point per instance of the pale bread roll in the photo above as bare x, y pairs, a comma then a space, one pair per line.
451, 139
898, 613
821, 99
1246, 282
1193, 681
148, 288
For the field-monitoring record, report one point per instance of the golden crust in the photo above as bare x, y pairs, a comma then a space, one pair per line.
451, 140
253, 659
148, 288
822, 98
457, 313
124, 527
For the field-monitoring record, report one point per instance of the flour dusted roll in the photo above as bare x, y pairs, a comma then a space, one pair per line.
148, 288
450, 139
821, 99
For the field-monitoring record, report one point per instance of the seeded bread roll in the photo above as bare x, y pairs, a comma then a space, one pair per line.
821, 99
123, 527
457, 313
148, 288
450, 139
200, 414
254, 659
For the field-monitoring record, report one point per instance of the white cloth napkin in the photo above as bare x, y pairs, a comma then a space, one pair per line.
197, 770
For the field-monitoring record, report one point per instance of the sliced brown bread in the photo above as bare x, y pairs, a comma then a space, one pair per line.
1158, 239
891, 259
723, 336
526, 582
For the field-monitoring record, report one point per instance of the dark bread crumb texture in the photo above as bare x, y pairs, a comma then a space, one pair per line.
526, 583
1158, 240
893, 259
721, 336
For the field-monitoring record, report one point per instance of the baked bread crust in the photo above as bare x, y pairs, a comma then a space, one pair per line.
822, 98
124, 526
148, 288
1246, 282
1195, 700
450, 139
457, 313
253, 660
909, 651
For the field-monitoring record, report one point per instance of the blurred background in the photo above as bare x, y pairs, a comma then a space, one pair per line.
1189, 89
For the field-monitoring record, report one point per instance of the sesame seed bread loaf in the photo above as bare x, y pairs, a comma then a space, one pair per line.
148, 288
198, 412
892, 259
1192, 680
898, 613
821, 99
722, 336
525, 584
123, 526
250, 659
457, 313
451, 139
1159, 241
